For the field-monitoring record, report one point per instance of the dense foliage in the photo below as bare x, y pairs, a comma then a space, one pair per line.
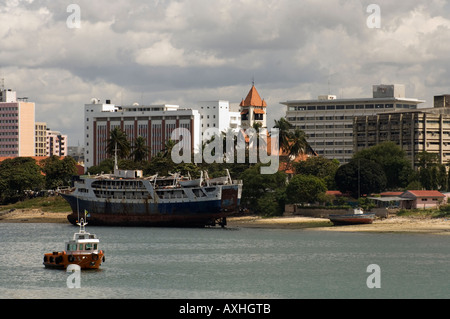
22, 177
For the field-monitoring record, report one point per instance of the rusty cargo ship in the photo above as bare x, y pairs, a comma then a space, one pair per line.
126, 198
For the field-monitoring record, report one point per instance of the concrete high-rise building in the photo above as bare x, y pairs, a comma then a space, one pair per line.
415, 131
155, 123
41, 139
56, 143
17, 125
328, 121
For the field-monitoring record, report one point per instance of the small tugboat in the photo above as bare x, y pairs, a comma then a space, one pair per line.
358, 217
82, 250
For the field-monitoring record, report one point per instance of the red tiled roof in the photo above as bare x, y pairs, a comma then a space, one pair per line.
419, 193
253, 99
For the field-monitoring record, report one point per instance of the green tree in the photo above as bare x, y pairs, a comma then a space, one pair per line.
257, 185
319, 166
284, 128
305, 189
168, 146
297, 143
58, 172
18, 175
140, 149
105, 166
118, 139
392, 159
360, 177
431, 174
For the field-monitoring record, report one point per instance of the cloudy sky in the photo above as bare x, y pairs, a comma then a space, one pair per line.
183, 51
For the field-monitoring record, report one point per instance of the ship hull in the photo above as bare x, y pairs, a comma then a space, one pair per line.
146, 213
352, 219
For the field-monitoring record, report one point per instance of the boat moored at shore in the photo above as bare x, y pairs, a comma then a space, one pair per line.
126, 198
358, 217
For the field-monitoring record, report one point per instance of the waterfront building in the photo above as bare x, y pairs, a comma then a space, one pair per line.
217, 114
415, 131
17, 125
253, 110
328, 121
155, 123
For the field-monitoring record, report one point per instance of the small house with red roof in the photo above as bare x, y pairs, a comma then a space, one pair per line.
413, 199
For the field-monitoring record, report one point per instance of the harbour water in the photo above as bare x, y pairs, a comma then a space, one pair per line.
231, 263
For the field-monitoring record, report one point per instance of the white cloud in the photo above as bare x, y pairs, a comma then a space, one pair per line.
182, 51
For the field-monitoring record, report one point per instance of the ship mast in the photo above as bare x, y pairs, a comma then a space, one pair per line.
116, 167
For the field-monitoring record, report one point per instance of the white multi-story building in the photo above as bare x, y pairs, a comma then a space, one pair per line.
328, 121
56, 143
217, 114
155, 123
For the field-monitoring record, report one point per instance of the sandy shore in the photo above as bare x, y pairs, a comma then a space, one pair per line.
32, 216
392, 224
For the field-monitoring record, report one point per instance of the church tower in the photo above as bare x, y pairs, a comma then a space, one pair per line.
253, 109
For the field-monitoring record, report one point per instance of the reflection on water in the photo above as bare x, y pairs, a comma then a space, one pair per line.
227, 263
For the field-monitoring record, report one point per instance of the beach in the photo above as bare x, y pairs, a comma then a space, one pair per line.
394, 224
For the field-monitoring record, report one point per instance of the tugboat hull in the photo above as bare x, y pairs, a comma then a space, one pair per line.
61, 260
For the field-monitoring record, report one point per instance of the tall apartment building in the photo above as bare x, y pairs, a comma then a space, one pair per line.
155, 123
17, 127
56, 143
413, 130
328, 121
41, 139
50, 142
217, 114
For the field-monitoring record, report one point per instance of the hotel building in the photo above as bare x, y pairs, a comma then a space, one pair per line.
17, 127
328, 121
155, 123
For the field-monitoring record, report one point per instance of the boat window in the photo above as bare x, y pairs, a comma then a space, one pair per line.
80, 247
95, 246
88, 246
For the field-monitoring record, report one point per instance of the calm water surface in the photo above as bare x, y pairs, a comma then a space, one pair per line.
227, 263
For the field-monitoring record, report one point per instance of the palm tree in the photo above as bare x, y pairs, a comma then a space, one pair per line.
298, 143
166, 152
140, 149
283, 127
118, 140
